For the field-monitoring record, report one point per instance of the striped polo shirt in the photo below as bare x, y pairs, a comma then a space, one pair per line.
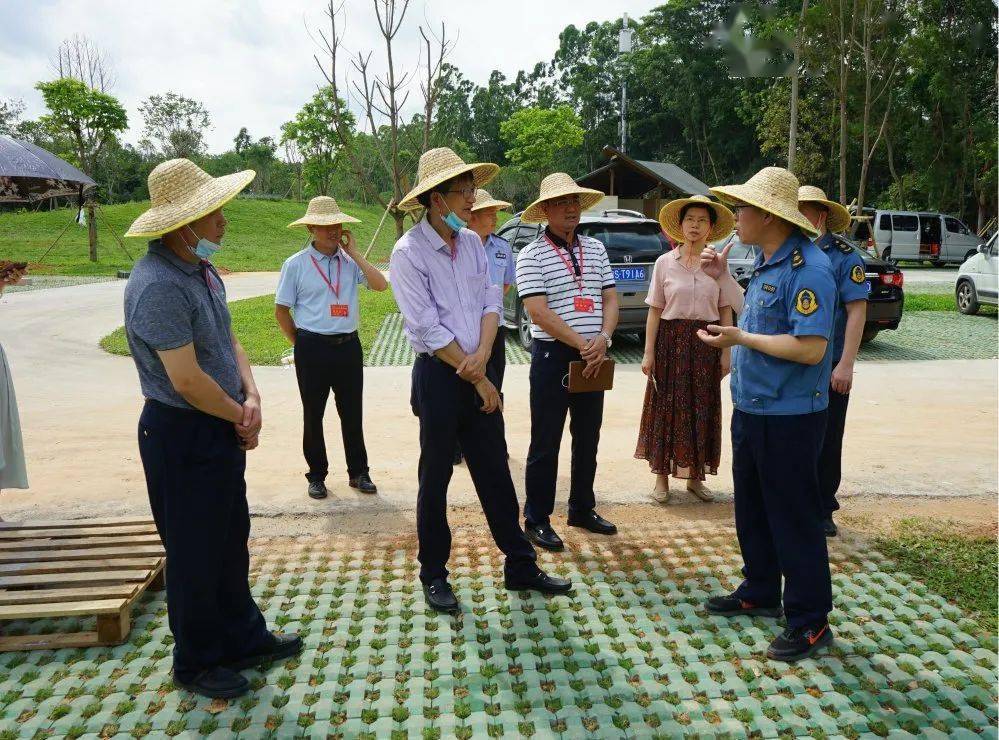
541, 270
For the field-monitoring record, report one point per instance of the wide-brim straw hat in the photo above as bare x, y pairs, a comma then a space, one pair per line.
772, 189
556, 185
440, 165
484, 200
669, 217
181, 192
838, 219
323, 211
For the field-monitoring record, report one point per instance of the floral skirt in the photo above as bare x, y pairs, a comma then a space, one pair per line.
680, 433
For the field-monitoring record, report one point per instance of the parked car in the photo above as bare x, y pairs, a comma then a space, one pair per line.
909, 235
976, 279
884, 300
633, 243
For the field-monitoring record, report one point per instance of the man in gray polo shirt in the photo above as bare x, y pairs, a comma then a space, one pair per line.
201, 415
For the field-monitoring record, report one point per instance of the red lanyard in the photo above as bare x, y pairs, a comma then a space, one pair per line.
568, 265
339, 264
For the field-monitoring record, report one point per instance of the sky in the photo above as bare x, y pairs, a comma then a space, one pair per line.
250, 62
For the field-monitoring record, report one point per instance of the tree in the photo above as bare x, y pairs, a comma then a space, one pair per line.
242, 140
81, 59
540, 140
10, 115
792, 139
314, 132
176, 123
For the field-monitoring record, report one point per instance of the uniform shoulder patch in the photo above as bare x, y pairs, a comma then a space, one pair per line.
797, 258
843, 246
857, 274
805, 302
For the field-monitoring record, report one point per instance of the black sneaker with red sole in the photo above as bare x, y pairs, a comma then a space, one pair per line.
798, 643
733, 606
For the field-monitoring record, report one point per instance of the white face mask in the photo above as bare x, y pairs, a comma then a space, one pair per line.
204, 249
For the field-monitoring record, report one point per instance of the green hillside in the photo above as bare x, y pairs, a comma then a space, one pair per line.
257, 237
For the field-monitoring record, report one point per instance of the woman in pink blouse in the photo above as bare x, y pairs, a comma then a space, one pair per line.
680, 433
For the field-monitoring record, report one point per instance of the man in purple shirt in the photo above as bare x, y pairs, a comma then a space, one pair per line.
440, 277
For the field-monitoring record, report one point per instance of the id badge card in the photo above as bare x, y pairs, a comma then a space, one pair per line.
339, 310
581, 303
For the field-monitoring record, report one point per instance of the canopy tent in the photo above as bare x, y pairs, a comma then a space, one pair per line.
28, 174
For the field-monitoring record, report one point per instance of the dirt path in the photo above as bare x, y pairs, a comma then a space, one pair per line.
925, 429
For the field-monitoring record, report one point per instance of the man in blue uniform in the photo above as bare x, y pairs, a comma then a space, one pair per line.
780, 391
830, 218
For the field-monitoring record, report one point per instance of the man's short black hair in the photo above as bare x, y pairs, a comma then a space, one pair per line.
712, 213
424, 198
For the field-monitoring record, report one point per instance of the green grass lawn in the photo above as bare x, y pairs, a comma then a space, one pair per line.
257, 237
960, 568
254, 325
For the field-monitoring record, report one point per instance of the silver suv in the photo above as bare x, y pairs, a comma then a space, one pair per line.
633, 244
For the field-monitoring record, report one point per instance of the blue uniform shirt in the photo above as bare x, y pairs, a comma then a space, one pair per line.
793, 293
303, 288
502, 268
851, 284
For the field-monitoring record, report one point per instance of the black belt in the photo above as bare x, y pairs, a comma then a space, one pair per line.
328, 338
429, 356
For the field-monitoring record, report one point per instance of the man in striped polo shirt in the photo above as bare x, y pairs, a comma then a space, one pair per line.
567, 286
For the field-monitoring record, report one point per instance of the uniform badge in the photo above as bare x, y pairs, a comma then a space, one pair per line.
768, 288
806, 303
857, 274
796, 259
843, 246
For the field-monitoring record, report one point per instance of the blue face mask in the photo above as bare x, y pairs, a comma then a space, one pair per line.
454, 222
204, 249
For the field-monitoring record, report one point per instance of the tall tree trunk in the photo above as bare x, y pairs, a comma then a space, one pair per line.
792, 137
845, 42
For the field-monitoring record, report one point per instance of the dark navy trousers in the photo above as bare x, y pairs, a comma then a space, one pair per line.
778, 513
550, 402
831, 457
194, 475
450, 412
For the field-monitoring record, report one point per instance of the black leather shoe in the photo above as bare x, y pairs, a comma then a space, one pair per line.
542, 582
215, 683
440, 596
829, 526
798, 643
363, 483
317, 489
733, 606
282, 646
592, 522
544, 536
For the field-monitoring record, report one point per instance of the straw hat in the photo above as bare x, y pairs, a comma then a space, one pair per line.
669, 217
181, 192
838, 218
323, 211
555, 186
485, 200
439, 165
772, 189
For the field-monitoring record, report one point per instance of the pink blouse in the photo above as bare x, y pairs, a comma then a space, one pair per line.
683, 293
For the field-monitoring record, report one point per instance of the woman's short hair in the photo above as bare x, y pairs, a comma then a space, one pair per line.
712, 213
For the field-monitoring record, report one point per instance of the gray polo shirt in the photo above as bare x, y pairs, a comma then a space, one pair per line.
168, 304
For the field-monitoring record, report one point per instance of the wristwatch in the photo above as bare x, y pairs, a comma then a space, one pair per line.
606, 336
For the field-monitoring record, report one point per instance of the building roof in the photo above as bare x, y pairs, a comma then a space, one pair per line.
633, 178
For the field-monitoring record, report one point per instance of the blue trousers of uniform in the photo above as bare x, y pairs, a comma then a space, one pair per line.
550, 402
778, 514
450, 412
194, 476
831, 457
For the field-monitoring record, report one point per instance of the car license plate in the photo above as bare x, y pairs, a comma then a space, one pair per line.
629, 274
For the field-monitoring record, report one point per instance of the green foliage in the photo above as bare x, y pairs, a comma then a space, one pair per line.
540, 139
175, 123
314, 133
86, 117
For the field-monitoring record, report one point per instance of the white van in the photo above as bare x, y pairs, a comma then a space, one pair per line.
977, 280
910, 235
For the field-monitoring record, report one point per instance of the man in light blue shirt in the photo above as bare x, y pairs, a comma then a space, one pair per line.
316, 306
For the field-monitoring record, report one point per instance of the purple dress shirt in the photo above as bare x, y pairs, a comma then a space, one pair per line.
442, 296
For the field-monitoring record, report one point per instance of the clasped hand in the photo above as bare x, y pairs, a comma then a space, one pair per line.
473, 368
594, 352
248, 429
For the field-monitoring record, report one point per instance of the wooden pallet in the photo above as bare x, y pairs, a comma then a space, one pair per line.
79, 568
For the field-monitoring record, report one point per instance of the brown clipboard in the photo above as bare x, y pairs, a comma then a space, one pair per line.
602, 381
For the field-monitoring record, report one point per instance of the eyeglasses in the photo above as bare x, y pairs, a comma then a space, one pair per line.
571, 200
465, 192
736, 210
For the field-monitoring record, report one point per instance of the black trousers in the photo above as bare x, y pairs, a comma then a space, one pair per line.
322, 365
449, 412
497, 361
778, 513
194, 474
550, 402
831, 457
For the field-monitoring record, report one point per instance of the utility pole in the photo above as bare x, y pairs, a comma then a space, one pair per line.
623, 47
